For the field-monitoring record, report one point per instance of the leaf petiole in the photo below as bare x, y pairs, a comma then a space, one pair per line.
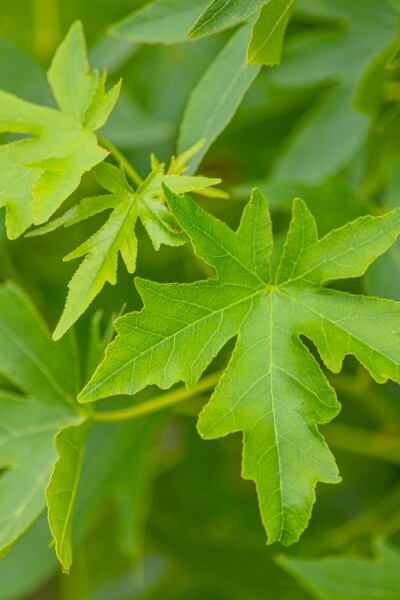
121, 160
159, 402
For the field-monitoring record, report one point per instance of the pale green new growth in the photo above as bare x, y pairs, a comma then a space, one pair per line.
349, 578
273, 389
40, 171
47, 374
266, 41
62, 489
117, 235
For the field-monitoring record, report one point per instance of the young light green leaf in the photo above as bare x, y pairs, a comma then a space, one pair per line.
48, 376
159, 22
216, 98
273, 389
62, 489
39, 172
349, 578
221, 14
117, 236
265, 47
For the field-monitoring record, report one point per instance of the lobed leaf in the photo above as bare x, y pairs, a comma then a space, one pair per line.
40, 171
273, 390
117, 236
62, 488
159, 22
221, 14
216, 98
47, 375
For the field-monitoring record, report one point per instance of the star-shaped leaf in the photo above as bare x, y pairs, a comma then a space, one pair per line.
273, 389
117, 235
59, 145
47, 375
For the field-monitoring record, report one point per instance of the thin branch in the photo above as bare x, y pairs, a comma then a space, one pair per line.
121, 160
160, 402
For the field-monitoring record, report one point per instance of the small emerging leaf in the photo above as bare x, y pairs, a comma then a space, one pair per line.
117, 236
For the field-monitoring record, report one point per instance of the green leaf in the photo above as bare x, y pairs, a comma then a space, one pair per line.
47, 374
117, 235
216, 98
62, 489
265, 47
221, 14
273, 390
383, 276
120, 465
40, 171
349, 578
159, 22
38, 565
325, 55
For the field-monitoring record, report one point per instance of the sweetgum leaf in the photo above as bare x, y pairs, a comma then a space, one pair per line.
273, 390
40, 171
47, 374
349, 578
117, 235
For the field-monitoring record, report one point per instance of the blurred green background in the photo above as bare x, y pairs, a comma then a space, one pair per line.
161, 513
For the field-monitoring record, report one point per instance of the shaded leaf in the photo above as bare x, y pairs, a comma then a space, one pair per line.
159, 22
216, 98
48, 376
349, 578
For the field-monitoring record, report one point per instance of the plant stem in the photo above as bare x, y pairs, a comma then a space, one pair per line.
159, 402
383, 446
370, 395
381, 519
121, 160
